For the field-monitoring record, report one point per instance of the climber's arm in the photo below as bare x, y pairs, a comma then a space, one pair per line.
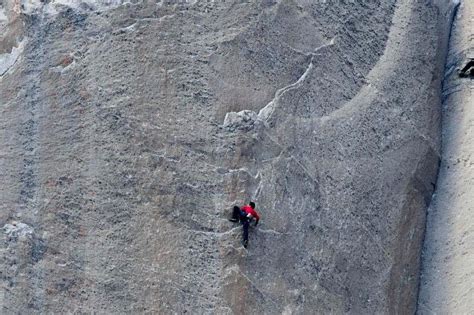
257, 217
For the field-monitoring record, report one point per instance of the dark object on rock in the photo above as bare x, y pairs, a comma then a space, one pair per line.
245, 216
121, 161
467, 70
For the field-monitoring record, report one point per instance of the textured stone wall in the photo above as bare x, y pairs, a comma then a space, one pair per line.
447, 283
128, 131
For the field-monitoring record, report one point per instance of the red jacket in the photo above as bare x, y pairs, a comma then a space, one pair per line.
248, 209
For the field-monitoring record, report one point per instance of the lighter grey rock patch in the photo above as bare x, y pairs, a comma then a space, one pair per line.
17, 229
266, 112
7, 61
3, 16
243, 120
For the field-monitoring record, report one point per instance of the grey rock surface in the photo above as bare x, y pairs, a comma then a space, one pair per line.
447, 283
128, 131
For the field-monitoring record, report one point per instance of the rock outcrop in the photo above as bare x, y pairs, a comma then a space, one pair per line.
129, 130
447, 283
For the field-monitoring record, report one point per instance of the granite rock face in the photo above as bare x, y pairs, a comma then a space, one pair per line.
129, 130
447, 282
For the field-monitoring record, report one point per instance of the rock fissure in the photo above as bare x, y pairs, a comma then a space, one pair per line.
113, 151
266, 112
447, 269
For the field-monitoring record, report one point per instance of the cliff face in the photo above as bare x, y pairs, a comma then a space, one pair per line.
447, 285
129, 130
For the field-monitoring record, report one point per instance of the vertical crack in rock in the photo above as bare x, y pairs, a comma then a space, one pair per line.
29, 175
117, 178
29, 129
446, 283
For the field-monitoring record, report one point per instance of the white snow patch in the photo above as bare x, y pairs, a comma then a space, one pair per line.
8, 60
18, 229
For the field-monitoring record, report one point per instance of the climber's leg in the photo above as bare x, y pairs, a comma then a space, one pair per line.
245, 234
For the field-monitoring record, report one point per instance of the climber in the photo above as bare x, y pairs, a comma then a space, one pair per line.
245, 216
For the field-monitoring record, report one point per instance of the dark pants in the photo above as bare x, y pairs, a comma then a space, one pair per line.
240, 215
245, 226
